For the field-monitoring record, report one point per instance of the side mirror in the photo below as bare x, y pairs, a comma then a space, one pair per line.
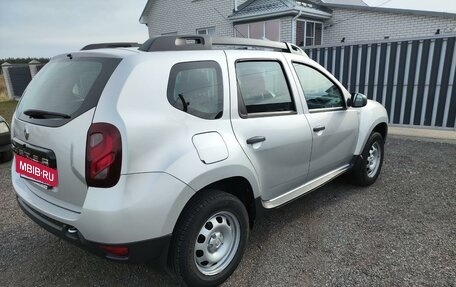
357, 100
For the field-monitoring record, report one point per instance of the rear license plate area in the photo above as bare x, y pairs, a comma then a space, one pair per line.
36, 164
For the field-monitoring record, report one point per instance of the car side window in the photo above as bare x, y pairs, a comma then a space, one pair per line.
197, 88
263, 88
319, 91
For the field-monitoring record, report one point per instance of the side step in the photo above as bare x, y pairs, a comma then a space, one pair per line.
303, 189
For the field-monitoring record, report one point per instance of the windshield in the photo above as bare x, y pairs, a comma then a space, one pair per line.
68, 86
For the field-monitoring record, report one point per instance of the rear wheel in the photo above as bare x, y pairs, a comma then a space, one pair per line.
369, 165
209, 239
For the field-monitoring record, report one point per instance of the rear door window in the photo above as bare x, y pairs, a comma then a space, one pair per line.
65, 88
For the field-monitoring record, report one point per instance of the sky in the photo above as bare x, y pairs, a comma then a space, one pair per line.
425, 5
45, 28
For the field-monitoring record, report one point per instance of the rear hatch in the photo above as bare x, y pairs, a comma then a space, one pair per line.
51, 123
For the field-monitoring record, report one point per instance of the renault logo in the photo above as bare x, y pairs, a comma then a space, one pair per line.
26, 133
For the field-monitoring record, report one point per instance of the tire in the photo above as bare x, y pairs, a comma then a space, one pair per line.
369, 164
209, 239
6, 156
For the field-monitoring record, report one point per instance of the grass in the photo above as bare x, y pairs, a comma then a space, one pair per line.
7, 109
3, 91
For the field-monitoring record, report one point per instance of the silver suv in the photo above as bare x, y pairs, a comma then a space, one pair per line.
170, 150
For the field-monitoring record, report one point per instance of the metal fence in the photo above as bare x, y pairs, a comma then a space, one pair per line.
413, 79
18, 76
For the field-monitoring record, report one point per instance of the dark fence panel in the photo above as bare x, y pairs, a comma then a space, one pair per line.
18, 76
414, 79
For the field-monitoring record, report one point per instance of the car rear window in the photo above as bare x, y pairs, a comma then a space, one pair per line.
66, 86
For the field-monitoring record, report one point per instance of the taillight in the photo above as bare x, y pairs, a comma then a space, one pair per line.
103, 155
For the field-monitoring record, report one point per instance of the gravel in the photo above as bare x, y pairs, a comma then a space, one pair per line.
401, 231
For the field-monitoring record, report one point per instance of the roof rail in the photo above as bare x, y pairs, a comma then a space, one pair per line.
205, 42
110, 45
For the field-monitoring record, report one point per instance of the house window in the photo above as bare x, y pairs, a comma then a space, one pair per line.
308, 33
206, 31
259, 30
241, 31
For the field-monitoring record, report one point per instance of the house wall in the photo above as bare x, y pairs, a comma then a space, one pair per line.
361, 25
285, 29
184, 17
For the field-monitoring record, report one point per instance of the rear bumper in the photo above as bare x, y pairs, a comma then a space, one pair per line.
140, 213
140, 207
138, 252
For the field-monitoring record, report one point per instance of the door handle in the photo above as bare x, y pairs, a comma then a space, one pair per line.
256, 139
318, 129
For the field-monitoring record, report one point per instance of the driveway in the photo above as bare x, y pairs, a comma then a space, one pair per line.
401, 231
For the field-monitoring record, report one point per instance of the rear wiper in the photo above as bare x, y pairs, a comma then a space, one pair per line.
40, 114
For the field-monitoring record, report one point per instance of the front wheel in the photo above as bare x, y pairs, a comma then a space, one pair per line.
369, 165
209, 239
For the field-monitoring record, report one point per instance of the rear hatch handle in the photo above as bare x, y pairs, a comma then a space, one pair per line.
256, 139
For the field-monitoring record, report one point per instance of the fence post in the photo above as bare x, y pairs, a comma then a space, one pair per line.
34, 67
6, 75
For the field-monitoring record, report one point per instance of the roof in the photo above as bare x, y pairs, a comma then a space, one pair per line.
254, 9
143, 18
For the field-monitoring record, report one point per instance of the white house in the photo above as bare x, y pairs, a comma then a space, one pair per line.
303, 22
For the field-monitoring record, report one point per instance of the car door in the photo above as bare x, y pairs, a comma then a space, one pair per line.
334, 126
268, 120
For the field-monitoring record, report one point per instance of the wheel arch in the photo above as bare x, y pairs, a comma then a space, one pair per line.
237, 185
372, 117
381, 128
